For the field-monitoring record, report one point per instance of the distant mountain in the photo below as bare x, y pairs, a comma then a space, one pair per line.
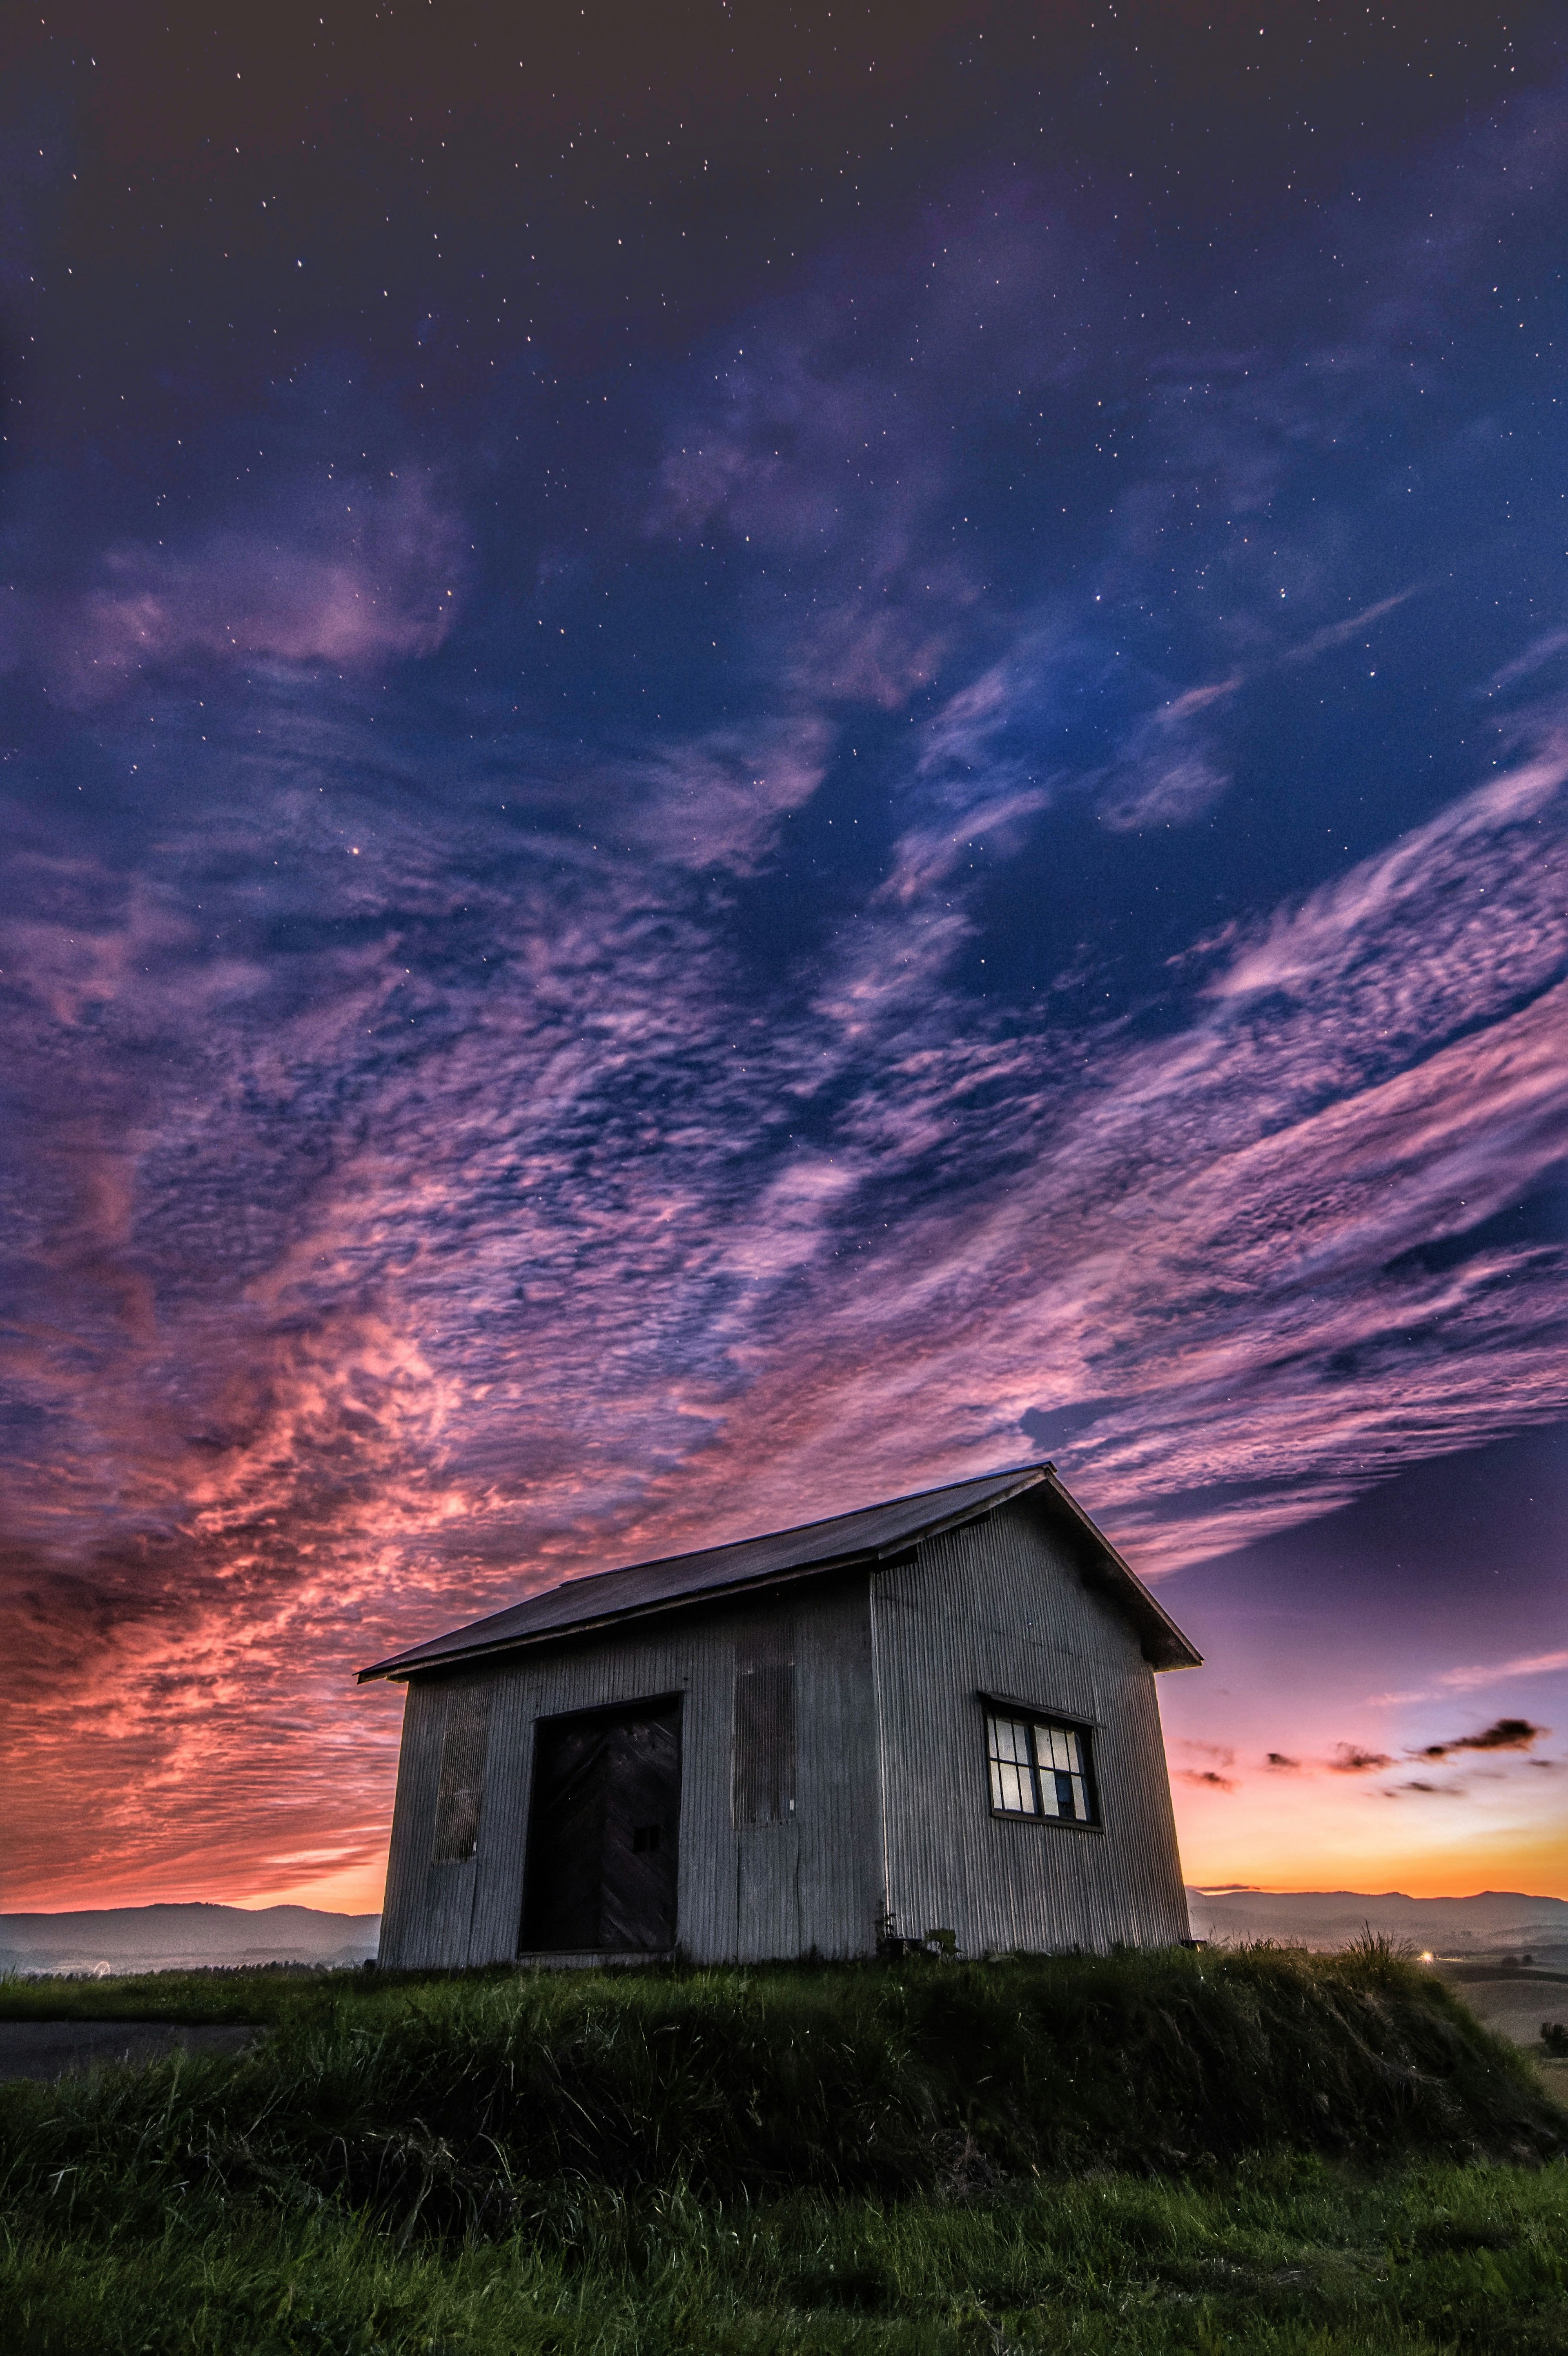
1328, 1918
175, 1938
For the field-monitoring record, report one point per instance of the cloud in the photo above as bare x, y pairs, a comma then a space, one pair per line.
1162, 789
1169, 771
1527, 1665
439, 1172
716, 800
1349, 1758
1222, 1755
1503, 1734
1282, 1764
1338, 634
1535, 658
372, 574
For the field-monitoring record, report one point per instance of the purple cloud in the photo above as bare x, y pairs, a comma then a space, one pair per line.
370, 575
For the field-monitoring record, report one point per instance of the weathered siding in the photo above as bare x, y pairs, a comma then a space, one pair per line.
1000, 1607
808, 1875
428, 1912
795, 1826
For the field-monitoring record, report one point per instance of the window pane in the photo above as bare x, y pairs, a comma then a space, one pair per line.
1038, 1769
1012, 1783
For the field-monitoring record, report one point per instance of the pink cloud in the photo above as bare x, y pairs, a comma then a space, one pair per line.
1528, 1665
716, 800
373, 575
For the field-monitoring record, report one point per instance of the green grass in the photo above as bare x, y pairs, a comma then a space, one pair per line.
250, 1992
1283, 2254
1259, 2151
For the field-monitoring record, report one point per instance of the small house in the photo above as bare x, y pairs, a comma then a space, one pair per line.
937, 1714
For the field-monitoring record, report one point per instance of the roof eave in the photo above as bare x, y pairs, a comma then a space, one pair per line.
401, 1666
1164, 1646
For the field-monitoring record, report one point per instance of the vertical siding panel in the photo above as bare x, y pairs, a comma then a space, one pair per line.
763, 1796
503, 1823
429, 1916
840, 1844
1000, 1606
442, 1933
811, 1882
413, 1818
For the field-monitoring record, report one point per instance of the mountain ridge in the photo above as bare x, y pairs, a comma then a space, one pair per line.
1489, 1918
172, 1935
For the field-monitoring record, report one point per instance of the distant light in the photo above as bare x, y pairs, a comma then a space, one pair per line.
1425, 1956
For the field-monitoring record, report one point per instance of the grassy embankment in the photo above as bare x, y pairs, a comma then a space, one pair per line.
1262, 2151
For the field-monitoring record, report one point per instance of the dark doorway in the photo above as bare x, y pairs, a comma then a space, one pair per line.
603, 1830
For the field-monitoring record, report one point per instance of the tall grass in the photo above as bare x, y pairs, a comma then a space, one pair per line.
1140, 2152
461, 2106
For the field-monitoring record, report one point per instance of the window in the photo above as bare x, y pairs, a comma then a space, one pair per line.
1039, 1768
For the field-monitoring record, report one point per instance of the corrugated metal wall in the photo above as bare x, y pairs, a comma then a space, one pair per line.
1000, 1607
783, 1852
449, 1728
807, 1875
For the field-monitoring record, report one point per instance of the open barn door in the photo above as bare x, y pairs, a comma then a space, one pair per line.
603, 1832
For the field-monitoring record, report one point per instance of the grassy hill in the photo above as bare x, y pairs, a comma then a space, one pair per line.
1138, 2152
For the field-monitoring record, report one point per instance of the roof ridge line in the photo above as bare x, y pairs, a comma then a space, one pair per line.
1009, 1479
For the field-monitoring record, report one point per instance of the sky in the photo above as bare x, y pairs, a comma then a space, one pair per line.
750, 758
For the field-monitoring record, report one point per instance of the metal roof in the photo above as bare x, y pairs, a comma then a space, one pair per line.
872, 1534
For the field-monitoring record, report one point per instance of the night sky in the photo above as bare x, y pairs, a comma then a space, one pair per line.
751, 757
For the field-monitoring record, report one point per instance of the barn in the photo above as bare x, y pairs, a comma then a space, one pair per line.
936, 1714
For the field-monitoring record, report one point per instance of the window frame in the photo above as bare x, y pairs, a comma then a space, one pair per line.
1035, 1715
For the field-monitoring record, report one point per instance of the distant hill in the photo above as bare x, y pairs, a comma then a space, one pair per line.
1328, 1918
175, 1938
